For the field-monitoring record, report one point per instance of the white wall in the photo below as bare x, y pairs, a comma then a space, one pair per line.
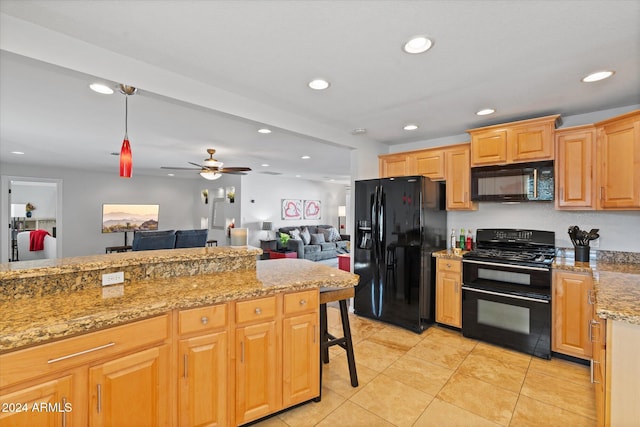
84, 192
41, 195
262, 194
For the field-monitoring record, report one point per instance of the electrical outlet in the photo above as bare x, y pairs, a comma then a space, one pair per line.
112, 278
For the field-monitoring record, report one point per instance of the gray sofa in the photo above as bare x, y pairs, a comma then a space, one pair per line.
314, 250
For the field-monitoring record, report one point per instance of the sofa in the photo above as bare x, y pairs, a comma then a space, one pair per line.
168, 239
322, 242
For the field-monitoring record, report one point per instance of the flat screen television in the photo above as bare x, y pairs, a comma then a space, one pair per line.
123, 218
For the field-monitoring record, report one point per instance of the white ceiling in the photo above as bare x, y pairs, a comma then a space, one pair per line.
211, 73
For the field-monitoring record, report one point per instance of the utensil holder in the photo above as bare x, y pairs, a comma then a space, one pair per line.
582, 253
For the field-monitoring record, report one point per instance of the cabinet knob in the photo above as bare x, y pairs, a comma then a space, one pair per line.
303, 302
204, 320
448, 265
258, 310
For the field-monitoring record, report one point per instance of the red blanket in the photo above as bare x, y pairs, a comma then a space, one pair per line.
36, 240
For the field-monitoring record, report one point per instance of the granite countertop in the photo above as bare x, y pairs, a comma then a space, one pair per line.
617, 285
448, 254
42, 318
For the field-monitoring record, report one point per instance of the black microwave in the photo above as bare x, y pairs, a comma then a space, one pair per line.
519, 182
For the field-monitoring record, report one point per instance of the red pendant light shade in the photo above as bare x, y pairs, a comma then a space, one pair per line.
126, 159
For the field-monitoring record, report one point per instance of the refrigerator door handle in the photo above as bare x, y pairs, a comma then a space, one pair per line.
374, 225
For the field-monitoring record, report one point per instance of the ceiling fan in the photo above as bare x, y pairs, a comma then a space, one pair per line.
212, 168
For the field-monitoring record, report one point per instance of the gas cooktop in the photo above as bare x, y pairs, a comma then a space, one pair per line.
514, 246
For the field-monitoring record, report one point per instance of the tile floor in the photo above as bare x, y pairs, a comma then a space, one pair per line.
440, 378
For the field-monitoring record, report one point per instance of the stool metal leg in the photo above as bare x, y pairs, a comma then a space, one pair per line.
346, 329
324, 334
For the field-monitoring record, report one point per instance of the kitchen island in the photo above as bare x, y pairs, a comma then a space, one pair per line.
192, 336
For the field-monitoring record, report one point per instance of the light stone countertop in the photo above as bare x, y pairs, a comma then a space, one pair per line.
41, 318
448, 254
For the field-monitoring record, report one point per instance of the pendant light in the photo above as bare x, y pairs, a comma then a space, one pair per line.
126, 160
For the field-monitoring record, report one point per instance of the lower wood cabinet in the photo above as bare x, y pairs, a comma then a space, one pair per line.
449, 292
598, 367
224, 364
572, 313
131, 390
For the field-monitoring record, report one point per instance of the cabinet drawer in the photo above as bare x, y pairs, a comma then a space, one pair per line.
450, 265
202, 318
301, 302
45, 359
256, 309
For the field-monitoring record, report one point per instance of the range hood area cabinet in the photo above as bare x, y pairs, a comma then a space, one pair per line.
598, 166
523, 141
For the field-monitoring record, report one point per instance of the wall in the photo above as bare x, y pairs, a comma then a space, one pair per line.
617, 229
262, 194
40, 194
84, 192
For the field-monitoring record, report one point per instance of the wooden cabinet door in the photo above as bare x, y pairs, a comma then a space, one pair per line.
429, 163
47, 405
619, 157
459, 179
257, 373
131, 390
392, 165
301, 359
572, 314
448, 292
533, 142
598, 363
489, 147
203, 364
575, 168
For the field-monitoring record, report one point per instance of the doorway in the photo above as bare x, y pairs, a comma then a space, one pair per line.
29, 204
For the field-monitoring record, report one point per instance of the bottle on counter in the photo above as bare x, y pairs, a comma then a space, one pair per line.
462, 239
469, 243
452, 239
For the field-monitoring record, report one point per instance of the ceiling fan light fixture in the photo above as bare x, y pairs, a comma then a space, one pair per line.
210, 175
597, 76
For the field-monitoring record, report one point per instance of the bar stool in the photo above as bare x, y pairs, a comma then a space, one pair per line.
327, 340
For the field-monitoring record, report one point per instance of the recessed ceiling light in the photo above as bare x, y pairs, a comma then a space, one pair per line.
265, 165
597, 76
305, 157
358, 131
171, 174
298, 176
100, 88
17, 152
332, 180
485, 112
411, 126
418, 44
264, 130
318, 84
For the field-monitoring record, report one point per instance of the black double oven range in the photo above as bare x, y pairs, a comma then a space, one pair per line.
506, 292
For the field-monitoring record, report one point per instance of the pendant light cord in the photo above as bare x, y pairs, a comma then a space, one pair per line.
126, 116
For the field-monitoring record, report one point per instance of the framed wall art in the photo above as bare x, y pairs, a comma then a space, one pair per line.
291, 209
312, 209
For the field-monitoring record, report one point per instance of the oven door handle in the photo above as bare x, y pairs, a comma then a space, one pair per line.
495, 264
466, 288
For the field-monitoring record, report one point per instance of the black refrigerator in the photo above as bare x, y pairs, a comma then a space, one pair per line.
399, 223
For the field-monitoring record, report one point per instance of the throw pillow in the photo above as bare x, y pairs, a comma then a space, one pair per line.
326, 233
316, 239
334, 235
305, 235
295, 234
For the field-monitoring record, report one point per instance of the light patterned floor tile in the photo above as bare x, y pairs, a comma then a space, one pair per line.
312, 413
557, 391
556, 367
440, 414
384, 396
438, 352
486, 400
376, 356
352, 415
419, 374
492, 371
533, 413
395, 337
509, 358
335, 375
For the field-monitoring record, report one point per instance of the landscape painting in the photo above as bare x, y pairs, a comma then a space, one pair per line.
122, 218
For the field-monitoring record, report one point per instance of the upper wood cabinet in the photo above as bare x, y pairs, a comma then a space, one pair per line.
429, 163
523, 141
459, 179
575, 167
392, 165
618, 148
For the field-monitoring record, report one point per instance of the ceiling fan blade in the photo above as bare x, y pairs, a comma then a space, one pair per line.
195, 164
233, 172
177, 168
236, 169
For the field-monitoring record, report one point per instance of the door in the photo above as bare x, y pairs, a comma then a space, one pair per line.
131, 390
301, 359
47, 405
572, 313
204, 363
